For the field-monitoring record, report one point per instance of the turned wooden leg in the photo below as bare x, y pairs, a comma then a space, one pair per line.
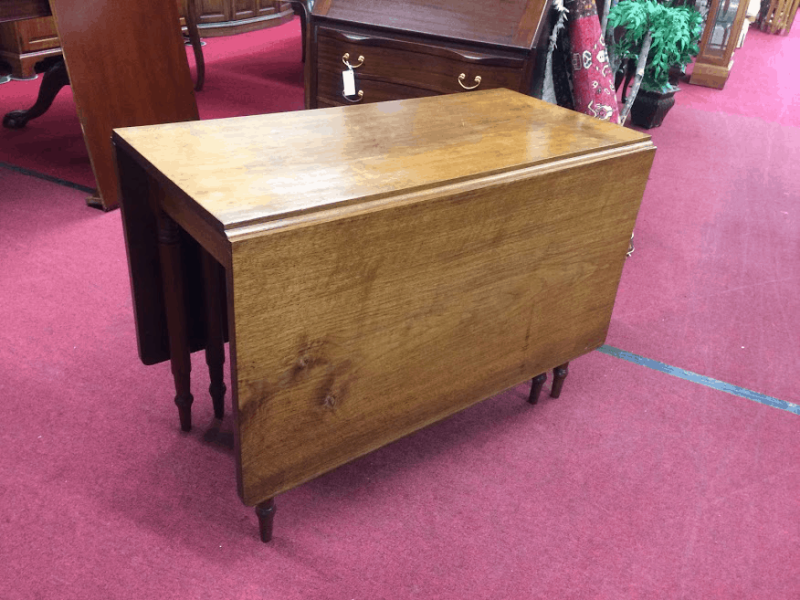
536, 387
54, 79
559, 375
197, 46
215, 342
170, 253
266, 513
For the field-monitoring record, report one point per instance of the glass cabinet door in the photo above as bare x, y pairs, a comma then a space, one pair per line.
721, 33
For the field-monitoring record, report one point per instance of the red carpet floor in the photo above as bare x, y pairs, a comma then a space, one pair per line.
763, 82
633, 485
713, 285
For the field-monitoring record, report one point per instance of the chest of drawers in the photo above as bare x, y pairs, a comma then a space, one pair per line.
24, 43
416, 48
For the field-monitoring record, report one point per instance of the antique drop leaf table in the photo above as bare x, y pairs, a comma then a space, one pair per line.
376, 267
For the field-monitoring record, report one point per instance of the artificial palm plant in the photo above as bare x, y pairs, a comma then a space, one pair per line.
657, 37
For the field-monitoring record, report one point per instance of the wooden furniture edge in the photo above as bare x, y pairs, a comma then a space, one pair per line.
226, 28
321, 8
347, 32
711, 75
364, 205
137, 188
256, 500
645, 150
515, 43
726, 58
530, 16
198, 222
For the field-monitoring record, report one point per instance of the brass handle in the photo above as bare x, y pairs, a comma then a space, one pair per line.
359, 99
463, 76
346, 61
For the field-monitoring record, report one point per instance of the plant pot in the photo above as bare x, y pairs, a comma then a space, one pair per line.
650, 108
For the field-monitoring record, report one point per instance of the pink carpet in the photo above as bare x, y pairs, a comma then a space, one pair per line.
712, 284
763, 82
712, 287
633, 485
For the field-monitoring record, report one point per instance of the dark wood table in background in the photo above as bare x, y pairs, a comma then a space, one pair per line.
127, 66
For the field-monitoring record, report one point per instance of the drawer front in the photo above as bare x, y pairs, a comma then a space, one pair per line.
389, 68
330, 90
36, 35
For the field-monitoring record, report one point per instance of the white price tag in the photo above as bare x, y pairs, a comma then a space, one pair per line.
349, 81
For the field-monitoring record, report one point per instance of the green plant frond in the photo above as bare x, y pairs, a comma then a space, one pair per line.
675, 32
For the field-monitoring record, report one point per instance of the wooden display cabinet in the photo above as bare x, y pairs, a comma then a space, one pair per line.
24, 43
417, 48
720, 37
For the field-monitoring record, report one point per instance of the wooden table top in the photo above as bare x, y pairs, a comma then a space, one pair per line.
247, 171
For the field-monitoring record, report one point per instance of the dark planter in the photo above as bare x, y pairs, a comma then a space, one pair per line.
649, 108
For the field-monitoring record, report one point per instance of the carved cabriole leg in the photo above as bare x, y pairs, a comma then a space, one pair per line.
559, 375
536, 387
266, 513
303, 34
215, 343
169, 246
299, 9
54, 79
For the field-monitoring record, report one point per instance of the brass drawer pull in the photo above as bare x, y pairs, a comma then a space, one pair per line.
463, 76
359, 99
346, 61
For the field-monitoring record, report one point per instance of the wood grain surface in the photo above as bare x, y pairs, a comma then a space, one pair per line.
353, 332
25, 43
390, 264
232, 17
511, 23
421, 69
127, 66
15, 10
253, 170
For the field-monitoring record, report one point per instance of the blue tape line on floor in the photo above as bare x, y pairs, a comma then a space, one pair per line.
701, 379
50, 178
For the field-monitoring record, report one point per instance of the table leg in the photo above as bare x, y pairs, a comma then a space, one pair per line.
215, 342
266, 513
536, 387
559, 375
169, 246
53, 80
197, 47
300, 8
